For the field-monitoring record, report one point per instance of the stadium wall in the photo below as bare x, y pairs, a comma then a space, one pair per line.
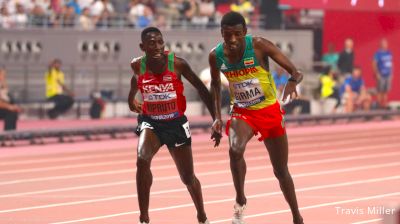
100, 59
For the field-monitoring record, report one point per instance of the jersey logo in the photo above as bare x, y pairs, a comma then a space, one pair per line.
223, 67
248, 61
147, 80
167, 78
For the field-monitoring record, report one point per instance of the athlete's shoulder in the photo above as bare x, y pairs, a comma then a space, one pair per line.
181, 63
136, 60
260, 41
213, 53
179, 60
135, 63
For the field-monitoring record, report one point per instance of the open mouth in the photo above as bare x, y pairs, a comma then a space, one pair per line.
157, 55
232, 46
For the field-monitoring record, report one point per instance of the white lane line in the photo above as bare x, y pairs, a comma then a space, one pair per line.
230, 219
313, 206
367, 221
65, 158
63, 177
210, 186
294, 142
223, 184
162, 167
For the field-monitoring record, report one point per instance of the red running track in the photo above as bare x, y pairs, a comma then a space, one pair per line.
343, 174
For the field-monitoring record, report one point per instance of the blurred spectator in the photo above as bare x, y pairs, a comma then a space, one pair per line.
170, 11
331, 57
280, 77
329, 88
102, 11
85, 3
191, 10
8, 110
20, 18
66, 18
355, 94
85, 20
5, 18
57, 6
121, 6
205, 13
97, 106
11, 5
346, 58
140, 15
382, 65
56, 91
39, 11
244, 7
75, 5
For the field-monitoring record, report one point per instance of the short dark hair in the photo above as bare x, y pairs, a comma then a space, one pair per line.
233, 19
149, 30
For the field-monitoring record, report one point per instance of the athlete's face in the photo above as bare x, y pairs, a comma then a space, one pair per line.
234, 36
153, 45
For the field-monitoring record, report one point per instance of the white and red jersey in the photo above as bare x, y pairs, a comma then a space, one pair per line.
162, 94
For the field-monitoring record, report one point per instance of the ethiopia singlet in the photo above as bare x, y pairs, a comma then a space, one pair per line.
251, 86
162, 94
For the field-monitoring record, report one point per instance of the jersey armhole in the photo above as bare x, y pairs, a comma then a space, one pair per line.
171, 61
142, 65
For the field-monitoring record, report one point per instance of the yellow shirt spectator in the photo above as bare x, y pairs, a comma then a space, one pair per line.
54, 82
243, 7
327, 86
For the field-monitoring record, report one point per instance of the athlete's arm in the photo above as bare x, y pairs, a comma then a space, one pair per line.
267, 48
215, 91
188, 73
133, 105
205, 96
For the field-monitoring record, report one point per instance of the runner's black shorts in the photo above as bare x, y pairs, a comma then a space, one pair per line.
173, 133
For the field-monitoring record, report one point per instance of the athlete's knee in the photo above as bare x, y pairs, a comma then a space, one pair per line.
281, 173
236, 153
188, 179
142, 163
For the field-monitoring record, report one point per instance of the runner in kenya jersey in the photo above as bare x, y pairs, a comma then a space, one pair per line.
163, 97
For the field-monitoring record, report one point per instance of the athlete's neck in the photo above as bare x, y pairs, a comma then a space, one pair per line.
157, 65
234, 56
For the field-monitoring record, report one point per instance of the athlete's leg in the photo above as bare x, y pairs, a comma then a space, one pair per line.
278, 153
183, 159
148, 146
239, 134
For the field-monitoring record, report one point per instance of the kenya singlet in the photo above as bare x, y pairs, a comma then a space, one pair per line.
251, 86
162, 94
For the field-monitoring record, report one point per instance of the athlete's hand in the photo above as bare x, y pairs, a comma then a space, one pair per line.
289, 90
136, 107
216, 132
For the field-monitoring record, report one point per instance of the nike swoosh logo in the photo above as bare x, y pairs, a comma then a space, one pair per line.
147, 81
177, 145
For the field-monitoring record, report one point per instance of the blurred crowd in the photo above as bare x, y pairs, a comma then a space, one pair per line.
91, 14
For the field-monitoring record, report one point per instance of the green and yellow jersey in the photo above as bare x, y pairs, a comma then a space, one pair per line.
251, 86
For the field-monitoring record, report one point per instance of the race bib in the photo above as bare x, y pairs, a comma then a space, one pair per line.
187, 129
161, 106
247, 93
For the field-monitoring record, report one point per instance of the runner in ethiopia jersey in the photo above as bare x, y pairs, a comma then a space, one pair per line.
244, 61
161, 118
